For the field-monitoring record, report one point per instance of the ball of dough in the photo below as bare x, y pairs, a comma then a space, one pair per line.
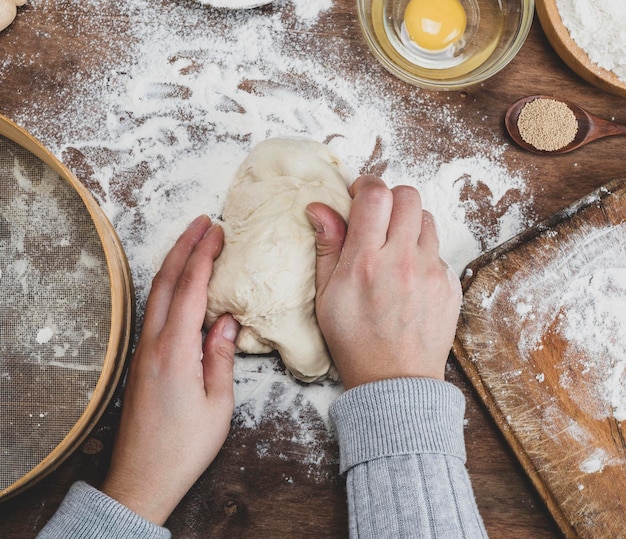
265, 275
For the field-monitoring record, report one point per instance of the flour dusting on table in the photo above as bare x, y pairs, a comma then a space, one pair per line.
159, 131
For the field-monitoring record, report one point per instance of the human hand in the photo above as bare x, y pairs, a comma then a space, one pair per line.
386, 303
178, 401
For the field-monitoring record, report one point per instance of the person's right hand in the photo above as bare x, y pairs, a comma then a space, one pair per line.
386, 302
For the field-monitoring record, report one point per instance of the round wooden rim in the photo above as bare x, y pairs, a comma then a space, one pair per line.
122, 314
575, 57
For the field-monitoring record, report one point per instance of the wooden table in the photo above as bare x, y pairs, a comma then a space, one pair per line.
39, 55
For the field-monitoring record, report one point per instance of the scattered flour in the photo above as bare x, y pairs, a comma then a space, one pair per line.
599, 28
595, 327
583, 293
235, 4
305, 9
160, 131
261, 385
56, 286
44, 335
595, 462
55, 303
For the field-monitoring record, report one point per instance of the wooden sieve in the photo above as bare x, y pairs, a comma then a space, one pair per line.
66, 311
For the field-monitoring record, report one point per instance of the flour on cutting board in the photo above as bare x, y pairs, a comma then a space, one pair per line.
580, 295
161, 135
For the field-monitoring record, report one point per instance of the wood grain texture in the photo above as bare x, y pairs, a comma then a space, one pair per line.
575, 57
543, 393
43, 52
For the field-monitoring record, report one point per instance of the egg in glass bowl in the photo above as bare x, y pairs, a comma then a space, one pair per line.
445, 44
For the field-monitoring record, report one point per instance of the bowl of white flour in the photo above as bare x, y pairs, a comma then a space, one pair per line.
590, 37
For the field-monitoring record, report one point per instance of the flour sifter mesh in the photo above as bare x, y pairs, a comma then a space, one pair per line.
57, 368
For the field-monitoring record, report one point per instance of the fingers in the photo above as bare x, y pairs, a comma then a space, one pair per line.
188, 305
219, 354
200, 237
428, 238
369, 215
330, 233
380, 216
405, 223
164, 283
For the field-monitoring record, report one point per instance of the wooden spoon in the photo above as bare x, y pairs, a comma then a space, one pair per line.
590, 127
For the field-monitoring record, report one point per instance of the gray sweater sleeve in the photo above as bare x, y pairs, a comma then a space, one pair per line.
402, 449
87, 513
403, 453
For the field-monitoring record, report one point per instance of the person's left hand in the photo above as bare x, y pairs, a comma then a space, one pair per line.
178, 400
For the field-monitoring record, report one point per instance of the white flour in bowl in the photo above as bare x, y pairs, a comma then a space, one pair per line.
599, 28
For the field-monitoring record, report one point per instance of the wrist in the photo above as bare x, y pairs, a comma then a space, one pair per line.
145, 502
357, 378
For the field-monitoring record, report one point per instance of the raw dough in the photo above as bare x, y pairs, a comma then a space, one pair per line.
8, 11
265, 275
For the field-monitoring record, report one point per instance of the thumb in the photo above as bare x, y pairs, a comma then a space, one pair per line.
219, 356
330, 233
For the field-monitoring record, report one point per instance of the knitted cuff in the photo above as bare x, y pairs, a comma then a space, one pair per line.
402, 416
87, 513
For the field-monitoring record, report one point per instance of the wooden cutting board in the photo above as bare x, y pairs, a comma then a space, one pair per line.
542, 337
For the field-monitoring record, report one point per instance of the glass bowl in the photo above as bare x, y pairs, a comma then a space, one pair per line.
495, 32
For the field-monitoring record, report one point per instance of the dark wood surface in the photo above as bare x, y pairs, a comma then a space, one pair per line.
241, 495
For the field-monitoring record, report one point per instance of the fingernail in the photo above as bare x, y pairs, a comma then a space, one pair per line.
199, 219
210, 230
315, 222
430, 217
230, 329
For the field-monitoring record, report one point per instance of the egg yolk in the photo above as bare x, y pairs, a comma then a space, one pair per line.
435, 24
